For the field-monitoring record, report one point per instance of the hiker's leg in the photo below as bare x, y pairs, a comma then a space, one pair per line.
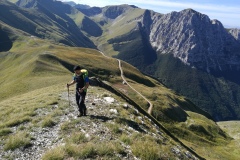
82, 103
78, 101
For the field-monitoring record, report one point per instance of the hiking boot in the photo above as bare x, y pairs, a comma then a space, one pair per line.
85, 112
80, 114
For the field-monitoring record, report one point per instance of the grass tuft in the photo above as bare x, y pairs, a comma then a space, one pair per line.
146, 150
54, 154
20, 139
15, 121
78, 138
115, 128
48, 122
105, 149
5, 131
126, 139
88, 151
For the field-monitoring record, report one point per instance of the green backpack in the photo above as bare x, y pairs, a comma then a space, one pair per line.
85, 74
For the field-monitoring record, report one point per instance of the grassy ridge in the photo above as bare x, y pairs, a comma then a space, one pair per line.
21, 70
186, 121
33, 63
34, 66
48, 19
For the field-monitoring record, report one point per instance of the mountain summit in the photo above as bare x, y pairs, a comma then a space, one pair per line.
195, 40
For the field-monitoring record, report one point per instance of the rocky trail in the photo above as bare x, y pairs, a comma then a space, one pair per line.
103, 109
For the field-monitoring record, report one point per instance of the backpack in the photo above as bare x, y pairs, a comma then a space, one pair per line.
84, 74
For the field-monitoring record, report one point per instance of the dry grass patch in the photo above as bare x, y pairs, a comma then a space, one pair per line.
77, 138
126, 139
5, 131
25, 105
104, 150
48, 122
146, 150
115, 128
54, 154
20, 139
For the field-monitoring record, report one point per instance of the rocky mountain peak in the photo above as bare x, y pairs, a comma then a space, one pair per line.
195, 39
190, 11
235, 33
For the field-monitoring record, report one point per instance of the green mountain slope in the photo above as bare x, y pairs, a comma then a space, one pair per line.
43, 21
115, 21
216, 95
5, 39
126, 36
123, 32
35, 71
34, 66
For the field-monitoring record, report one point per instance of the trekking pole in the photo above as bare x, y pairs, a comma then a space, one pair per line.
68, 95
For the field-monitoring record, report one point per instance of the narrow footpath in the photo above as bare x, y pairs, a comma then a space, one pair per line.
150, 105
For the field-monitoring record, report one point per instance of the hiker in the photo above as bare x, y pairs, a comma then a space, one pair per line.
82, 83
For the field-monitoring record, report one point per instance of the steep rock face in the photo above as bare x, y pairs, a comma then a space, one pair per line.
235, 33
200, 43
196, 40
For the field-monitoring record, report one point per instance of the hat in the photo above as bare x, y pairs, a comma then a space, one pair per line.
76, 68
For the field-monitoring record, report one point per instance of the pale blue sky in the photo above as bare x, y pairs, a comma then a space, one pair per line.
226, 11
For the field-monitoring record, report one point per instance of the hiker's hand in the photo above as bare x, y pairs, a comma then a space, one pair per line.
81, 90
68, 85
